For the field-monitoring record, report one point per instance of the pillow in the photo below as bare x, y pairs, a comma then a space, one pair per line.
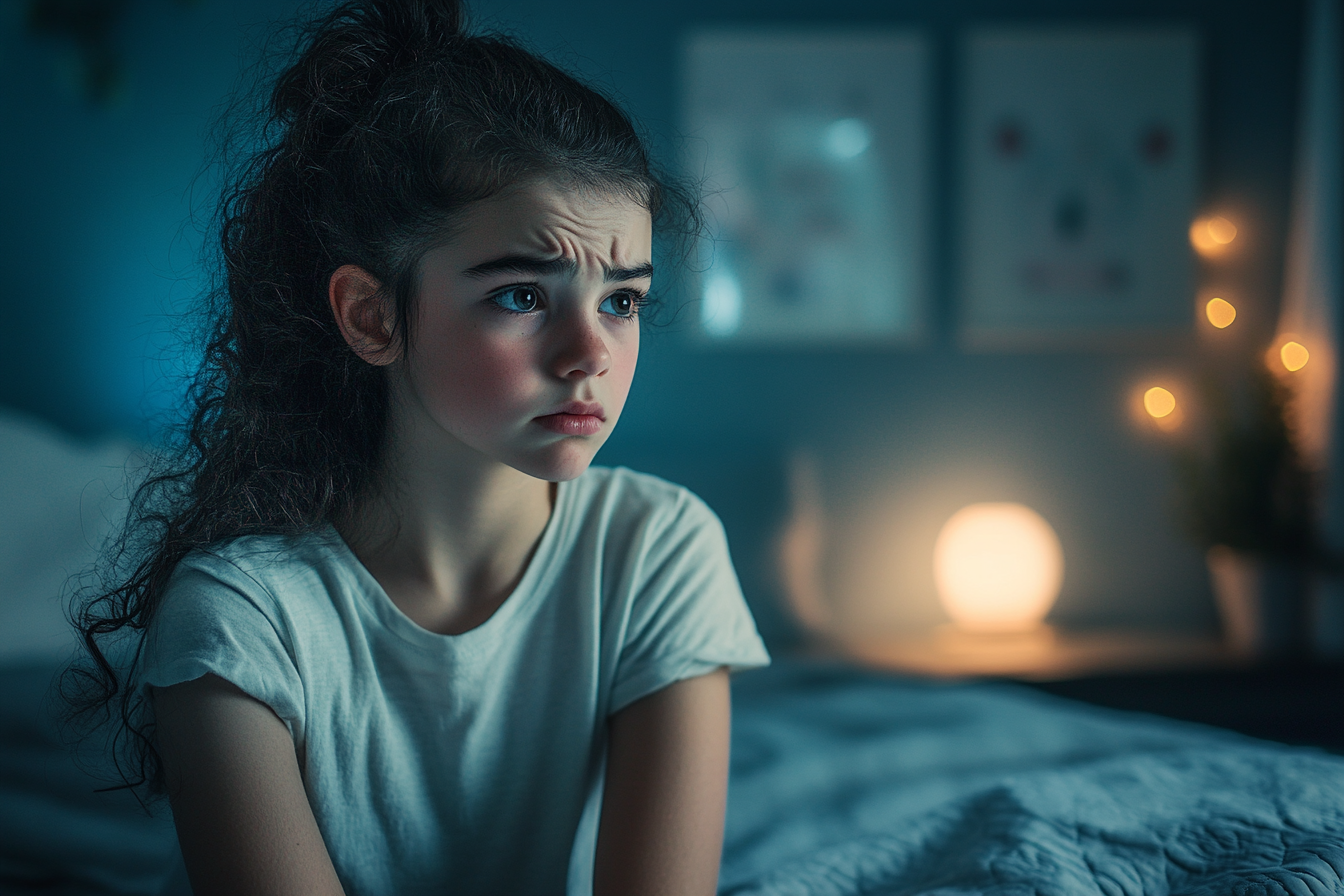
62, 499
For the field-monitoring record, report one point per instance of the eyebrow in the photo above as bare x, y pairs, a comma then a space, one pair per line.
543, 267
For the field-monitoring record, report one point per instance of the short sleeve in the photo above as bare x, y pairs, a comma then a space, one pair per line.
687, 614
217, 619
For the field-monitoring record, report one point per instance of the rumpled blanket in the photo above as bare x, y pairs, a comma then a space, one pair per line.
846, 782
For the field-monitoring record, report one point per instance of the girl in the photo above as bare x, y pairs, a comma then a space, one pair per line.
398, 636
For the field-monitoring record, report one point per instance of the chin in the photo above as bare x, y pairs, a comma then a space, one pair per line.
562, 462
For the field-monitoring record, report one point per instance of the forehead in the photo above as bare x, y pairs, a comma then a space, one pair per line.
592, 228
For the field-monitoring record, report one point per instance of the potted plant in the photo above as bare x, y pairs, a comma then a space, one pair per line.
1251, 501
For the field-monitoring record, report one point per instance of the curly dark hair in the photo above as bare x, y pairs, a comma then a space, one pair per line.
390, 120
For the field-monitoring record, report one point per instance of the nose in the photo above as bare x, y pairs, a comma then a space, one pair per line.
580, 349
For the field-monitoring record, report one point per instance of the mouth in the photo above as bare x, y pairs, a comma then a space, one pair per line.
575, 418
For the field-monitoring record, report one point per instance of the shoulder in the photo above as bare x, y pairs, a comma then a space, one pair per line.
258, 567
246, 610
674, 605
629, 500
645, 530
267, 556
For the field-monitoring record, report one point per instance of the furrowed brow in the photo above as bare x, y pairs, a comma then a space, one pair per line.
639, 272
543, 267
523, 264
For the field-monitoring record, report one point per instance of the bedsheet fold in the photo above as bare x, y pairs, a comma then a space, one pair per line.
847, 783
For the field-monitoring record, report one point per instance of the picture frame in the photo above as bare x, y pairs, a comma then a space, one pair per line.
1079, 177
814, 151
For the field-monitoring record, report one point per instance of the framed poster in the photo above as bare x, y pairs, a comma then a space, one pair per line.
1079, 176
813, 151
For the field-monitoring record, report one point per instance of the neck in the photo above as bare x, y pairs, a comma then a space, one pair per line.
448, 532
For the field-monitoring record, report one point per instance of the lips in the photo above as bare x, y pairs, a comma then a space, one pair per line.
575, 418
582, 409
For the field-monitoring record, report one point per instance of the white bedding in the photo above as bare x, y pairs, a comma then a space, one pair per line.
851, 783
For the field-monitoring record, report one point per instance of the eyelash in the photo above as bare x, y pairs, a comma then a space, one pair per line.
638, 299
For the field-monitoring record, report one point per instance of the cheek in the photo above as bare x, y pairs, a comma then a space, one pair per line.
624, 355
479, 378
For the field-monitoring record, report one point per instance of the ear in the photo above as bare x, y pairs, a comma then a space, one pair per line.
364, 314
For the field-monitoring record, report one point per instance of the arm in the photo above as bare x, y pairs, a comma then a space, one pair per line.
242, 814
661, 831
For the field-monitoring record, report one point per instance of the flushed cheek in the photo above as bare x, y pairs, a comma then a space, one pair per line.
622, 373
479, 388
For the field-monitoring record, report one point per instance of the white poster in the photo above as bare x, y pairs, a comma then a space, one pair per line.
813, 149
1080, 160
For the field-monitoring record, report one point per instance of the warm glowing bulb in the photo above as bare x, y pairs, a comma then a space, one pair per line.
1294, 355
1220, 313
998, 568
1158, 402
1221, 230
1210, 236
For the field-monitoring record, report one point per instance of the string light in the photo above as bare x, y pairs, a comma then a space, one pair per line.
1212, 235
1220, 313
1159, 402
1294, 356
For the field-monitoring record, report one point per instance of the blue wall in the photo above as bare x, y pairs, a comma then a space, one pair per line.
94, 206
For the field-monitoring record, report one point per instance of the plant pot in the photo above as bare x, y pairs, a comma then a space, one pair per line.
1262, 602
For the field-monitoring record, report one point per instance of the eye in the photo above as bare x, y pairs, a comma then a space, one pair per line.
622, 304
518, 299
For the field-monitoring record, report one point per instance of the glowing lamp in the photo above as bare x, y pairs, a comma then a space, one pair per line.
1220, 313
1158, 402
998, 568
1294, 356
1211, 236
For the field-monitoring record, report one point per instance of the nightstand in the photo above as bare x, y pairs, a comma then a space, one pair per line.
1190, 678
1295, 703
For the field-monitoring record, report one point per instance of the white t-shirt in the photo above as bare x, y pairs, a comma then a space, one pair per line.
467, 763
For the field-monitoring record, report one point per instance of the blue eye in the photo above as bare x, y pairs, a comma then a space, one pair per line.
518, 299
622, 304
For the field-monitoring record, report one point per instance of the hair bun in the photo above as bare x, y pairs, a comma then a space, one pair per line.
421, 23
349, 52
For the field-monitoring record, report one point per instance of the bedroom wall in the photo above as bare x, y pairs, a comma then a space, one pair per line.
95, 251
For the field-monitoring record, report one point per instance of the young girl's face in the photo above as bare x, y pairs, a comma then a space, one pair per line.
526, 333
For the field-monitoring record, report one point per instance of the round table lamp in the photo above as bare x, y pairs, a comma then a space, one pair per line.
998, 568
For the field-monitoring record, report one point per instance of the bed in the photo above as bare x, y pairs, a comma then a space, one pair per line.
844, 781
847, 782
